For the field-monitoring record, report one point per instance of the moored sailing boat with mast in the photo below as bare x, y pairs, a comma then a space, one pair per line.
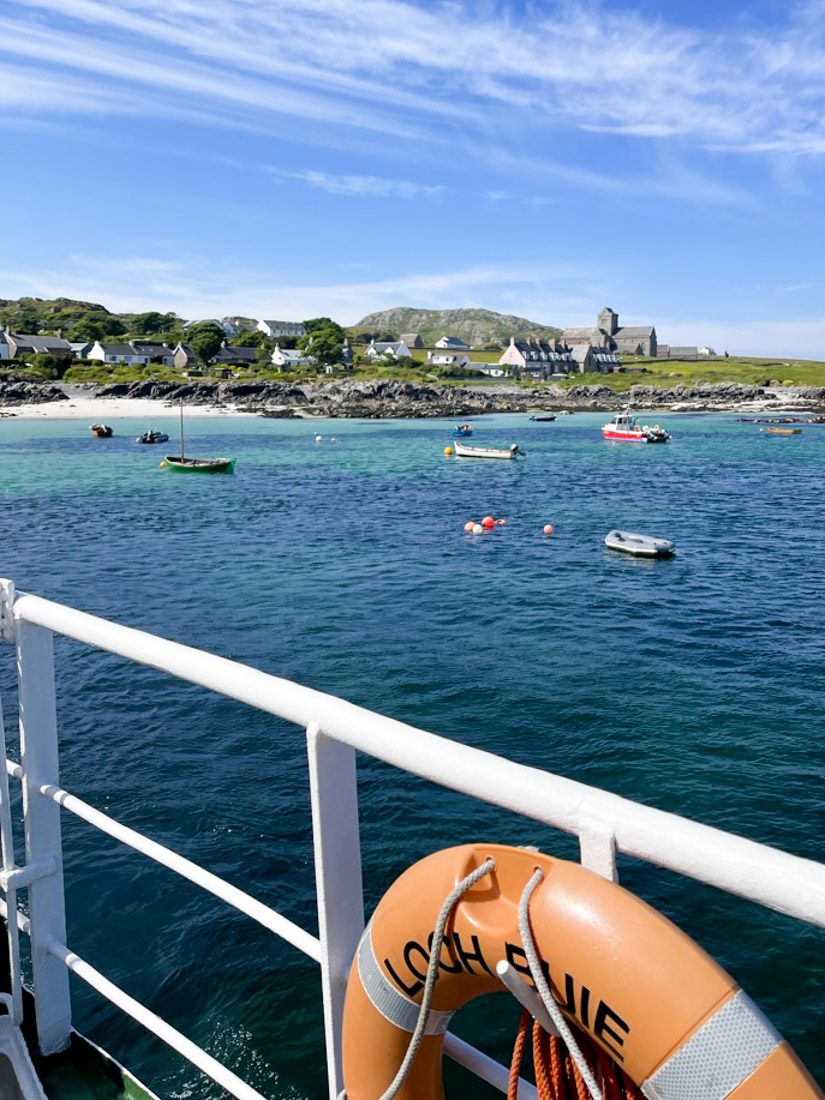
198, 465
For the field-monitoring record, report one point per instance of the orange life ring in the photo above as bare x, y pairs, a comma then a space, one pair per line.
628, 977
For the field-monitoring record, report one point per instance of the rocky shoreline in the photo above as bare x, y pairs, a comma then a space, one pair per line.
390, 399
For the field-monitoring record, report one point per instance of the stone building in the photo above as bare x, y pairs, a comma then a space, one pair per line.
609, 336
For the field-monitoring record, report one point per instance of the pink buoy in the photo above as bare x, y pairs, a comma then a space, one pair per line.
488, 522
469, 525
478, 529
548, 528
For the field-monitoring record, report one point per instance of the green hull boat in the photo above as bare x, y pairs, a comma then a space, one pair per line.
201, 465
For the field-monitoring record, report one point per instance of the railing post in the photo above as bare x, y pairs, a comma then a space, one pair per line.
597, 845
47, 911
338, 881
7, 853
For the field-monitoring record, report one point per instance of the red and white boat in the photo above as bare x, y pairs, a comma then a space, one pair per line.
627, 428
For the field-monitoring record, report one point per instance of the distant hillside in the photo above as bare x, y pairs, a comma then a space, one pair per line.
476, 326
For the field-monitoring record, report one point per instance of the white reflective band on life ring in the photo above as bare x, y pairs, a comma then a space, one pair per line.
392, 1005
715, 1060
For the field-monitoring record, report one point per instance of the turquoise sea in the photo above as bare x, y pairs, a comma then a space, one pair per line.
694, 684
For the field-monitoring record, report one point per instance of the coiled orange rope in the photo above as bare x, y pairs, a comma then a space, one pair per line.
557, 1077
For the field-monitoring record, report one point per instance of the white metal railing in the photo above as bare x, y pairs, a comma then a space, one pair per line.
335, 730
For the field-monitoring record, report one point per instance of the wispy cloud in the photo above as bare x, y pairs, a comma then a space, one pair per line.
795, 288
756, 89
362, 187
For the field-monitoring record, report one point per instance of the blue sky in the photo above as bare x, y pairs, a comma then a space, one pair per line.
288, 159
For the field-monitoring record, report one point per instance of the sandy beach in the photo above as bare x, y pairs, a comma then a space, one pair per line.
109, 410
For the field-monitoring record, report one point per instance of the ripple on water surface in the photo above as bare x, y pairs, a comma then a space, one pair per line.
693, 684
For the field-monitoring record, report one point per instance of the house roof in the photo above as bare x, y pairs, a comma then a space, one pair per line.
534, 345
40, 343
452, 342
389, 345
233, 354
150, 349
119, 349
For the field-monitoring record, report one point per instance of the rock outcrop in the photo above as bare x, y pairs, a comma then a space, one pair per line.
390, 399
15, 392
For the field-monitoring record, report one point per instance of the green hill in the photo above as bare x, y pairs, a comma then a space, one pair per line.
475, 326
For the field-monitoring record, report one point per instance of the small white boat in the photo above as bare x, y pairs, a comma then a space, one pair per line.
627, 429
641, 545
464, 450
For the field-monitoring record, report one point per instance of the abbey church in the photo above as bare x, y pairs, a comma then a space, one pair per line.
609, 335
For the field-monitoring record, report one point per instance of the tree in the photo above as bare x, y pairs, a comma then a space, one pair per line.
318, 324
96, 326
325, 345
87, 330
144, 324
255, 339
205, 339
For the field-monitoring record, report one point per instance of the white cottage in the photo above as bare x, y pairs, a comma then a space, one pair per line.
281, 328
133, 352
289, 358
395, 349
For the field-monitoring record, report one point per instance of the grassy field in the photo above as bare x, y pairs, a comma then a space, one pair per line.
663, 374
673, 372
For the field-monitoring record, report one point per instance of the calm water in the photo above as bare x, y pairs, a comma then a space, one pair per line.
694, 684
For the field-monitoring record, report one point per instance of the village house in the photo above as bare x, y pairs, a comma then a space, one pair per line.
281, 328
232, 326
454, 343
288, 358
395, 349
448, 359
609, 336
588, 359
411, 339
230, 356
534, 356
184, 357
132, 352
20, 344
4, 346
491, 370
